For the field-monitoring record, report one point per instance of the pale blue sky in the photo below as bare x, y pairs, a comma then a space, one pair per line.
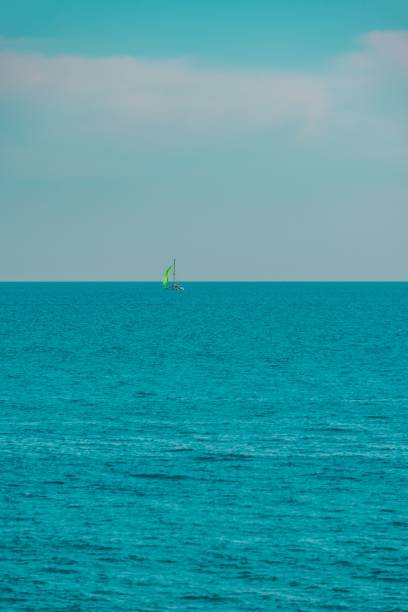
252, 140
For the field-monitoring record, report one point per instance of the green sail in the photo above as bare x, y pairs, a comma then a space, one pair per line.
166, 276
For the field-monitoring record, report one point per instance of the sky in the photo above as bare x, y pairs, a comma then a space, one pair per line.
251, 140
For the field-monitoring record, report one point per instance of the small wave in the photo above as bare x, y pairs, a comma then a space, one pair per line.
160, 476
208, 598
60, 570
214, 457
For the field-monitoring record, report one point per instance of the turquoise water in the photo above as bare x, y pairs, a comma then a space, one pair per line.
235, 447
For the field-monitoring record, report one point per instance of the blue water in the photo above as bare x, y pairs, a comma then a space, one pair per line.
238, 447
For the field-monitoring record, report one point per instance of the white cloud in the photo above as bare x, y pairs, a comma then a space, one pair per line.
163, 89
379, 51
368, 93
358, 91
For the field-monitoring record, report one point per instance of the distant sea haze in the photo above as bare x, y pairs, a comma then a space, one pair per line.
236, 447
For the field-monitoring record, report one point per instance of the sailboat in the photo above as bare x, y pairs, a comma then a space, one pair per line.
173, 285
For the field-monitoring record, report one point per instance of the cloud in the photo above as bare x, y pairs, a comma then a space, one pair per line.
379, 52
368, 93
361, 90
167, 89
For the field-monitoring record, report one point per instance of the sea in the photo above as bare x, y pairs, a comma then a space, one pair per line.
235, 447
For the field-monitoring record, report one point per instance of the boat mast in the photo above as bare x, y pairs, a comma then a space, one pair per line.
174, 272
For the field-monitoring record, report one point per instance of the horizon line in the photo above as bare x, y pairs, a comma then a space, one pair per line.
159, 282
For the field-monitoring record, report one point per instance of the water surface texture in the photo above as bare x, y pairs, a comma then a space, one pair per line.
237, 447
